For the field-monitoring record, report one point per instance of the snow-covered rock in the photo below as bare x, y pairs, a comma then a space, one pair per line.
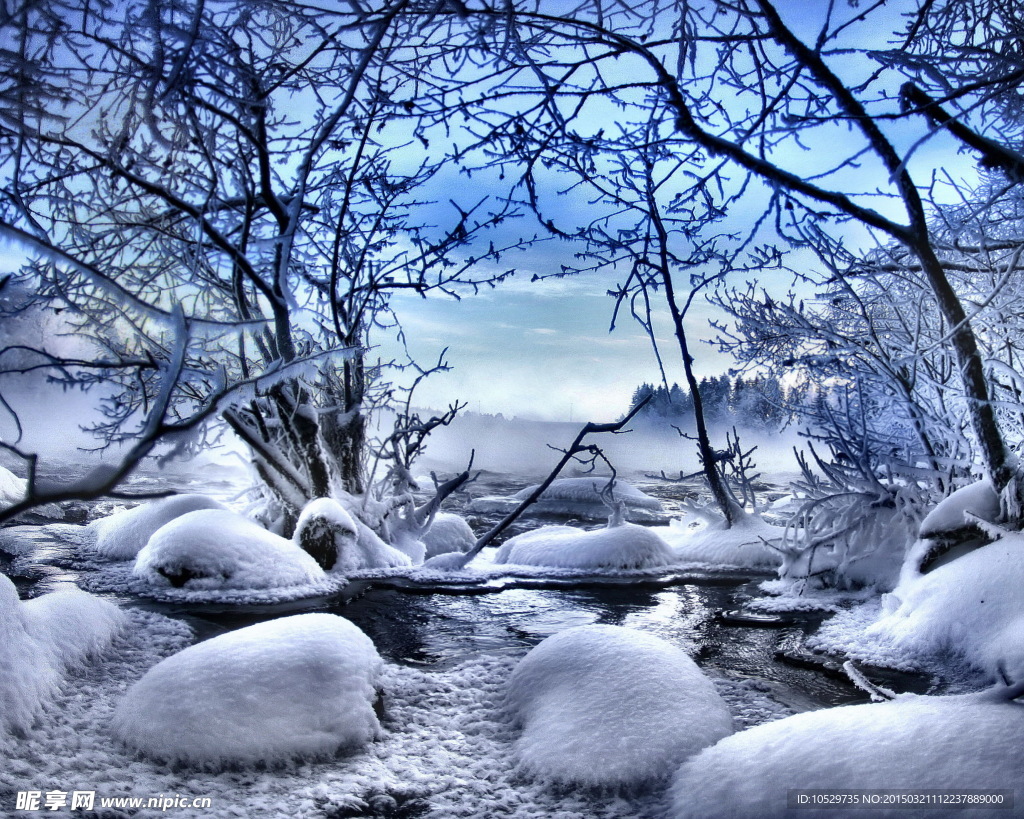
219, 549
121, 536
352, 545
978, 499
448, 533
299, 686
955, 742
578, 497
40, 640
12, 488
745, 544
606, 706
971, 607
626, 546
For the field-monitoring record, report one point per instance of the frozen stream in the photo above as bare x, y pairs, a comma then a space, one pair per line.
446, 749
437, 628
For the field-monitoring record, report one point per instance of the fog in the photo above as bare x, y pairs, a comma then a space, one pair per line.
523, 448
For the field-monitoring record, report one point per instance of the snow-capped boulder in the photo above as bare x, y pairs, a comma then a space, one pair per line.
219, 549
340, 542
606, 706
971, 607
744, 544
299, 686
951, 514
12, 488
40, 640
121, 536
626, 546
448, 533
916, 743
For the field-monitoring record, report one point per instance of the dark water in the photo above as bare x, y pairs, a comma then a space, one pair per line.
439, 627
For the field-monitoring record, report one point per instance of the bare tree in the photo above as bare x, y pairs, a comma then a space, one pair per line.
770, 128
222, 197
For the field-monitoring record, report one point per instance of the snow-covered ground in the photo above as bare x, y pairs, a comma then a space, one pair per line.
446, 749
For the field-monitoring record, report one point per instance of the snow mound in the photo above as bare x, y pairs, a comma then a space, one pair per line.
12, 488
955, 742
978, 499
42, 639
626, 546
606, 706
588, 490
121, 536
219, 549
448, 533
971, 607
741, 545
296, 686
326, 527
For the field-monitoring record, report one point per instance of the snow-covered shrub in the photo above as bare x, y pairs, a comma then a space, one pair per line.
606, 706
219, 549
625, 546
448, 533
40, 640
121, 536
855, 526
297, 686
350, 544
966, 741
971, 607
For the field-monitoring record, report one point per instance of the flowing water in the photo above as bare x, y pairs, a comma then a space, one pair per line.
438, 627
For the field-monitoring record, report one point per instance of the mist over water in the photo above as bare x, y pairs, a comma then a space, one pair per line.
524, 448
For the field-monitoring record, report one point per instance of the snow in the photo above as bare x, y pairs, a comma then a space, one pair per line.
297, 686
40, 641
626, 546
745, 544
446, 750
970, 608
121, 536
979, 499
448, 533
12, 488
914, 742
358, 548
219, 549
578, 497
606, 706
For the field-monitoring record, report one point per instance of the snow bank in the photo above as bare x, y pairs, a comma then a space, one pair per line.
607, 706
626, 546
121, 536
956, 742
12, 488
741, 545
40, 640
971, 607
296, 686
219, 549
355, 546
448, 533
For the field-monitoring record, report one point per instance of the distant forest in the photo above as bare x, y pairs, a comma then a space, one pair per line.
760, 402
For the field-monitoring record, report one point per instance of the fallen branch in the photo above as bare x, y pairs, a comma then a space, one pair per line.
458, 560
